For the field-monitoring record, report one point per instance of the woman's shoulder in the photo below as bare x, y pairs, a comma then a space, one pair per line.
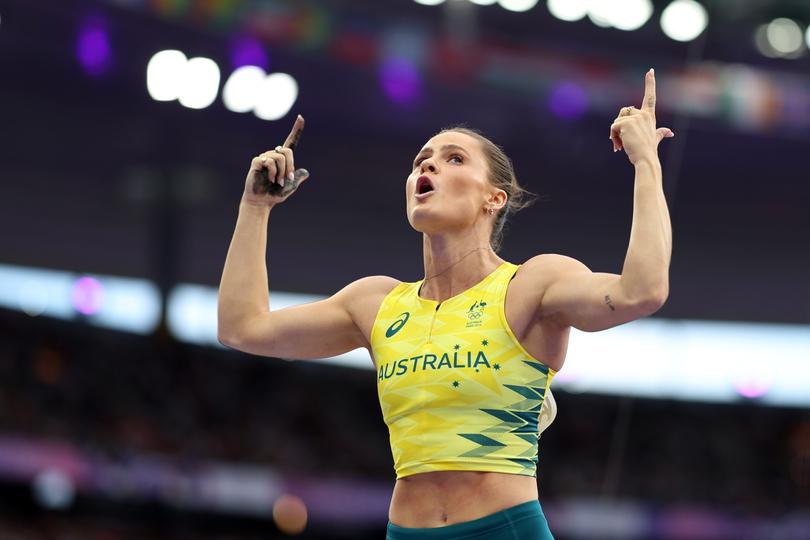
370, 289
538, 272
363, 298
552, 264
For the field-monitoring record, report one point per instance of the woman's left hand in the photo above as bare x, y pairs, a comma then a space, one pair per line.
634, 129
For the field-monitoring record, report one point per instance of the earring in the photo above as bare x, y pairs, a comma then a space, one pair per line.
491, 210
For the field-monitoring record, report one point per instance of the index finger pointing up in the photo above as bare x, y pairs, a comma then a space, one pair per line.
649, 93
295, 134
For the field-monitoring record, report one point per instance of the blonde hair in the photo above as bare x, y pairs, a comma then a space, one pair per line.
502, 176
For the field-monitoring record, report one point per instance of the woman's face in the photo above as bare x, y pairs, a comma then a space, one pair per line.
448, 187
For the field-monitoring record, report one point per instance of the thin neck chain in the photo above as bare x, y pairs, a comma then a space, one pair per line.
455, 263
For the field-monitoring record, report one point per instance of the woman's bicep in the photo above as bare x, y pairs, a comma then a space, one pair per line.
316, 330
588, 301
572, 295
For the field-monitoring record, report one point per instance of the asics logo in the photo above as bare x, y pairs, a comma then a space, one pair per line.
397, 324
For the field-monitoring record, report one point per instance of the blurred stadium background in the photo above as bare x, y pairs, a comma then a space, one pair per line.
121, 168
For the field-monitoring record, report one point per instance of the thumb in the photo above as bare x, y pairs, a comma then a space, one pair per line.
664, 133
300, 175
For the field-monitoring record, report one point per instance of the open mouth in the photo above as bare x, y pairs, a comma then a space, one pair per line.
423, 185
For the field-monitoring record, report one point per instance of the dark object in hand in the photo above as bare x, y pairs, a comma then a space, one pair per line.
263, 185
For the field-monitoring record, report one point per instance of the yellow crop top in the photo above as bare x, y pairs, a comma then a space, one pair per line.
456, 389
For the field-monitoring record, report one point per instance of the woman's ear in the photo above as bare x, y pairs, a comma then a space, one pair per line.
497, 199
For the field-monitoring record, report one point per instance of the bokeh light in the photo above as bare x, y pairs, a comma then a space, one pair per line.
752, 389
164, 75
600, 13
568, 10
242, 89
762, 42
248, 51
277, 95
53, 489
684, 20
87, 295
629, 14
429, 2
517, 5
33, 297
568, 101
621, 14
93, 47
400, 80
290, 514
785, 36
200, 83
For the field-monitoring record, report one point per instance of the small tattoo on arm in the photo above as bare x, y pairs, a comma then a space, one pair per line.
609, 302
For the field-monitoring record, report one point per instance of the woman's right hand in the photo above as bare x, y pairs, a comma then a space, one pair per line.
272, 176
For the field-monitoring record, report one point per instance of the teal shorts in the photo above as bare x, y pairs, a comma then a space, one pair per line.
522, 522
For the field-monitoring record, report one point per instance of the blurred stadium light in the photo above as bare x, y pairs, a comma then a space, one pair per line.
193, 82
53, 489
248, 51
568, 10
126, 304
200, 86
241, 91
93, 46
164, 75
785, 37
684, 20
624, 15
517, 5
270, 97
568, 100
276, 96
59, 471
701, 89
400, 80
654, 358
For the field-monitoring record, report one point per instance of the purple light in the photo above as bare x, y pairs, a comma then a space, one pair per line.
87, 295
752, 388
93, 47
248, 51
568, 101
400, 81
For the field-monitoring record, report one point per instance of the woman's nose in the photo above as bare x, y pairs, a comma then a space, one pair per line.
427, 165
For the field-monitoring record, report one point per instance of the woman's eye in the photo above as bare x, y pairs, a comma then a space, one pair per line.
459, 158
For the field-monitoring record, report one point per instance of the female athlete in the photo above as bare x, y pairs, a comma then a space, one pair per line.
465, 356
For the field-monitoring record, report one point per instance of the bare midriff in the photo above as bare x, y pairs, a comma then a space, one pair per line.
441, 498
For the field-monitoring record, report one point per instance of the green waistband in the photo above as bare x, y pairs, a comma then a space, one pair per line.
491, 523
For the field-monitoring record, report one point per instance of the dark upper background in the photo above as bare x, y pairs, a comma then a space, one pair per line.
83, 160
77, 154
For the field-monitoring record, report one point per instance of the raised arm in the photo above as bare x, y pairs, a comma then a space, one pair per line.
317, 330
577, 297
244, 319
